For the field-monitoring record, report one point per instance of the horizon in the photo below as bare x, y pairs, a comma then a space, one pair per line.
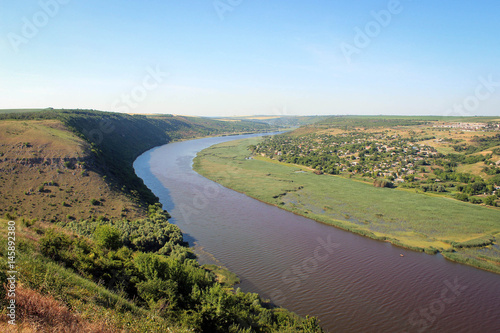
242, 58
269, 116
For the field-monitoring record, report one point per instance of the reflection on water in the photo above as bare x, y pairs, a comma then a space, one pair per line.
352, 283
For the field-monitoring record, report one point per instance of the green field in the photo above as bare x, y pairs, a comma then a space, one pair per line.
5, 111
461, 231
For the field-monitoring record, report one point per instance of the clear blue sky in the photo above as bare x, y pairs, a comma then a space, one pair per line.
252, 56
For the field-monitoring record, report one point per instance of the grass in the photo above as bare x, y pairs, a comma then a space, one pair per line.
44, 313
38, 152
223, 275
415, 221
51, 172
475, 169
5, 111
53, 298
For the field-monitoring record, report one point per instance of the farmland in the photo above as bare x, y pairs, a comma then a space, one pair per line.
405, 216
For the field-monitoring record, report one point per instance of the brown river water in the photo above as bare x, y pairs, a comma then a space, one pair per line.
351, 283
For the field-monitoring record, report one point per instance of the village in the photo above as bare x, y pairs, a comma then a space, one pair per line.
471, 126
392, 159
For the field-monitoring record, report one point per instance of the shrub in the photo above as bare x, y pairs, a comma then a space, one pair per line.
53, 243
108, 237
95, 202
383, 183
475, 200
490, 200
69, 165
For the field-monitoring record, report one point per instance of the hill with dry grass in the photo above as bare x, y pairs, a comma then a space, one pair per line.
49, 173
64, 165
91, 247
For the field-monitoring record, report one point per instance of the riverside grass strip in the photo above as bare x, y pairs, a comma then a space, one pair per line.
415, 221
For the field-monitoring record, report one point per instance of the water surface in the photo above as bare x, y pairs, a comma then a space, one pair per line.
352, 283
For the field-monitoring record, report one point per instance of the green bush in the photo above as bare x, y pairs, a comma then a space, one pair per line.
108, 236
475, 200
174, 287
490, 200
54, 244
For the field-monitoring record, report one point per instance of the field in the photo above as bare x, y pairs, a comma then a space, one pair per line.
5, 111
402, 217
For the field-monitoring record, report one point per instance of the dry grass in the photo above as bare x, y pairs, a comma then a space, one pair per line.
43, 313
35, 152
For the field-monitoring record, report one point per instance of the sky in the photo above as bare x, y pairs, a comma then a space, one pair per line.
243, 57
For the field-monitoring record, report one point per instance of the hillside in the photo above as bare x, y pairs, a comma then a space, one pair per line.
94, 251
49, 173
90, 145
282, 120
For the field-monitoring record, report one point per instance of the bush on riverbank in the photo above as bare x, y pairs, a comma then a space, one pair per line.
122, 282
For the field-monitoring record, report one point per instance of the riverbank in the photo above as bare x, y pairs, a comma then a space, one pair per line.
461, 232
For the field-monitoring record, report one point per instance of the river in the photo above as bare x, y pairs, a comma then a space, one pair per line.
351, 283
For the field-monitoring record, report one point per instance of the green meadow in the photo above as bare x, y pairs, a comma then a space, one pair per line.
461, 231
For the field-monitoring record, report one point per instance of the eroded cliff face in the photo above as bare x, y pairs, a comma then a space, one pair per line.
49, 173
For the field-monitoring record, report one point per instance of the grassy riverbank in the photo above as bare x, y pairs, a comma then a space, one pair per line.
462, 232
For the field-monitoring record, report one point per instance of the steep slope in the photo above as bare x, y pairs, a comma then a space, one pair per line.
115, 140
49, 173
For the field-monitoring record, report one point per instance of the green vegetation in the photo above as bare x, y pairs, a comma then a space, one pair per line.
283, 121
110, 260
223, 276
405, 156
88, 152
139, 291
402, 217
366, 122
